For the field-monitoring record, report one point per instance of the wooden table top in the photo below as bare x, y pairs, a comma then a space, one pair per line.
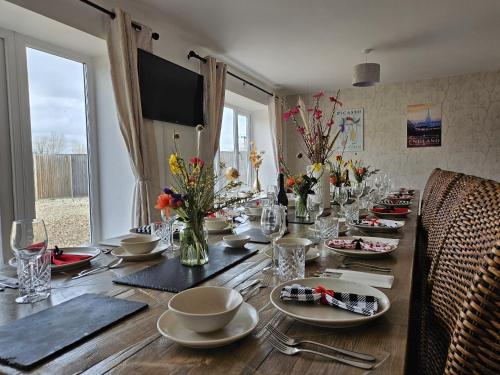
135, 346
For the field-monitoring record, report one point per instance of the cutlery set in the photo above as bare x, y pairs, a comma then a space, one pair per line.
113, 264
287, 345
250, 288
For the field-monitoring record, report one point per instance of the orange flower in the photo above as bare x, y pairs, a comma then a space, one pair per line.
163, 201
290, 181
333, 180
360, 170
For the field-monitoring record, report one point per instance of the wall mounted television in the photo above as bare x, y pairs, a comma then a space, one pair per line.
169, 92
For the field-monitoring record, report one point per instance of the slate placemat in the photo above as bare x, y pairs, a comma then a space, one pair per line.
292, 219
172, 276
26, 342
256, 235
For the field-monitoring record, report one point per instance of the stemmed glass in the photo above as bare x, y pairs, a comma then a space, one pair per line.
272, 193
341, 196
273, 225
28, 241
357, 189
315, 206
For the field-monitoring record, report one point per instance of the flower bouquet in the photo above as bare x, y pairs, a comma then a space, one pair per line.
318, 134
360, 172
339, 174
302, 186
197, 191
256, 158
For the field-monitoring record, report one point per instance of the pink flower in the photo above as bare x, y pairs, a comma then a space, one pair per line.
301, 129
329, 123
294, 111
334, 99
310, 109
318, 95
287, 115
317, 114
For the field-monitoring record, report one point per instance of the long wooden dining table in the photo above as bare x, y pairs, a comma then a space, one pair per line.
134, 345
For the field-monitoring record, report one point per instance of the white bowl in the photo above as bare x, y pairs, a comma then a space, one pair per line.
296, 241
205, 308
215, 223
236, 240
141, 244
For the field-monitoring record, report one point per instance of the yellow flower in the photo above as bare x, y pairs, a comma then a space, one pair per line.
231, 173
174, 164
316, 167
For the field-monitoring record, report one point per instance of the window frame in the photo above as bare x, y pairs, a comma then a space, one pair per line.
239, 111
21, 142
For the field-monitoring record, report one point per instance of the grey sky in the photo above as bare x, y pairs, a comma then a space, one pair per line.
57, 97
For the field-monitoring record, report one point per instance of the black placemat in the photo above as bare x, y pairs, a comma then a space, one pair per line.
172, 276
292, 219
26, 342
256, 235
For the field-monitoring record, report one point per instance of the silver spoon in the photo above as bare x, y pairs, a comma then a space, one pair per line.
111, 265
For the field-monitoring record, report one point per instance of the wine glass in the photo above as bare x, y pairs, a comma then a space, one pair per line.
315, 206
272, 193
28, 241
273, 225
341, 196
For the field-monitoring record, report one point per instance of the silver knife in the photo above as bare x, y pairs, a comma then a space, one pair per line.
10, 285
247, 284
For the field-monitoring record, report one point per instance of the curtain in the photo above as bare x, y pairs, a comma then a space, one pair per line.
138, 133
214, 89
276, 121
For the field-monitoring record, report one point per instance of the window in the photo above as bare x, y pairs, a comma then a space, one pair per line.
235, 142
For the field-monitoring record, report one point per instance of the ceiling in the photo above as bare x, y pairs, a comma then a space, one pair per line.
305, 45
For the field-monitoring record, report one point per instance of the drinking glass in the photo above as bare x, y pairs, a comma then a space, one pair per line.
315, 206
28, 241
358, 188
351, 214
291, 262
329, 227
341, 196
272, 193
163, 230
273, 225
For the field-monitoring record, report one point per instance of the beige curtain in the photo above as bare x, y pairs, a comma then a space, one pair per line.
214, 89
276, 122
138, 134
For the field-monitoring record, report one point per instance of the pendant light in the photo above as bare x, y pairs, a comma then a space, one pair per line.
366, 74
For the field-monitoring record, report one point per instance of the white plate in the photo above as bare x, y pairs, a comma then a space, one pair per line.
91, 251
227, 229
388, 214
374, 229
327, 316
243, 323
120, 252
365, 253
311, 255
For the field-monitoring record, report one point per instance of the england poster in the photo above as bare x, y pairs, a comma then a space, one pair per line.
423, 125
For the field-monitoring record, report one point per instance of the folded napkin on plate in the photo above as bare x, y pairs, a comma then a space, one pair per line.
401, 210
376, 223
144, 229
58, 257
360, 244
357, 303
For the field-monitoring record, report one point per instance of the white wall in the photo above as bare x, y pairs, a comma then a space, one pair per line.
470, 127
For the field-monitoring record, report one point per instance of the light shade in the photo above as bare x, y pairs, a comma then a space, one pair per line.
367, 74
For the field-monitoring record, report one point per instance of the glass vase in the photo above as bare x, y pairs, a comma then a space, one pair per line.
301, 206
193, 244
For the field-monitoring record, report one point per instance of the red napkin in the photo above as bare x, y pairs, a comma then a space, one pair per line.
401, 210
63, 259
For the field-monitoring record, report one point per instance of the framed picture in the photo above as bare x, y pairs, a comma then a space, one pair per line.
423, 125
351, 125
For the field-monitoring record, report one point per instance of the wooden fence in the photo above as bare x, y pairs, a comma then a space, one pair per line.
60, 175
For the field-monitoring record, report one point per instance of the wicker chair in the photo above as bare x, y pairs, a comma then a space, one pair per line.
442, 185
429, 186
473, 230
475, 344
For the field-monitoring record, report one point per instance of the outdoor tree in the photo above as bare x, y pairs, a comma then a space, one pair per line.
49, 144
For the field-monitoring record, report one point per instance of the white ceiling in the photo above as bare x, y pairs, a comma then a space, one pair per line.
305, 45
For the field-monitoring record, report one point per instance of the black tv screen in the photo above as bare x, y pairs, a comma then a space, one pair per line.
169, 92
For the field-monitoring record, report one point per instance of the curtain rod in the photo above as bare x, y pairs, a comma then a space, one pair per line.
112, 14
196, 56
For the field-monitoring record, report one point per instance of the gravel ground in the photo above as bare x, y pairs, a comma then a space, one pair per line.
66, 219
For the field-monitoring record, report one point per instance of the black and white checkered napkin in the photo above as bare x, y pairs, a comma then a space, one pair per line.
357, 303
146, 229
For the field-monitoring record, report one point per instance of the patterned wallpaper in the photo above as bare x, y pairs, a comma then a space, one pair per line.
470, 127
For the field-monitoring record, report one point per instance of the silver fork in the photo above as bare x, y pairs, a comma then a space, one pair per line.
294, 342
288, 350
